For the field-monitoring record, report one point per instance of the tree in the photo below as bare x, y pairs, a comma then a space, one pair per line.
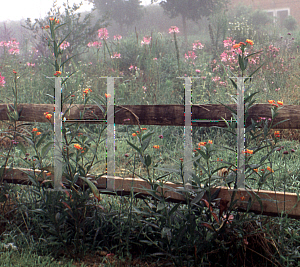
190, 9
123, 12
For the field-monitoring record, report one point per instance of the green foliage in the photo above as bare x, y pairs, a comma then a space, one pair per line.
290, 23
123, 12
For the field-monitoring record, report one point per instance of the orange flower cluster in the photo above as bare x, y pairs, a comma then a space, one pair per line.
57, 73
144, 129
248, 41
248, 151
85, 91
277, 134
134, 134
78, 147
107, 95
269, 169
48, 115
273, 103
38, 133
34, 130
204, 143
47, 27
256, 170
156, 146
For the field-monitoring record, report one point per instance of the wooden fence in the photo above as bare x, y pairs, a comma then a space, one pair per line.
272, 203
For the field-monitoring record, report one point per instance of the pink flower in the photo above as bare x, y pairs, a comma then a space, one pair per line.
198, 71
2, 80
30, 64
174, 29
64, 45
14, 51
103, 33
191, 55
197, 45
116, 55
95, 44
155, 58
146, 40
215, 79
117, 37
228, 42
131, 67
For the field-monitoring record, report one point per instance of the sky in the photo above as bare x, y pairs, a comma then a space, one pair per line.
23, 9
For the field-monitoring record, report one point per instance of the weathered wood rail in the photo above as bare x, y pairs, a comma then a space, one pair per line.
167, 115
272, 203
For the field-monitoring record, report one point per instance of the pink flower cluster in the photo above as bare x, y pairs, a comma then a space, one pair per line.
173, 29
2, 80
94, 44
116, 55
146, 40
191, 55
64, 45
197, 45
103, 33
133, 67
117, 37
30, 64
12, 45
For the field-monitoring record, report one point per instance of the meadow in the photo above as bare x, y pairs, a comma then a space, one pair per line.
79, 226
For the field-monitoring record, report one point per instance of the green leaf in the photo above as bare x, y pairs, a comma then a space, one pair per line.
92, 187
134, 147
147, 160
46, 149
241, 63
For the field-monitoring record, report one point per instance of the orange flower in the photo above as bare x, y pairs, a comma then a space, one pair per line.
57, 21
47, 27
242, 43
48, 115
14, 72
202, 144
137, 132
78, 147
34, 130
262, 170
271, 101
210, 141
85, 91
277, 134
134, 134
256, 170
144, 129
51, 19
275, 105
236, 46
48, 173
107, 95
57, 73
156, 146
250, 42
181, 159
38, 133
248, 151
242, 198
280, 103
269, 169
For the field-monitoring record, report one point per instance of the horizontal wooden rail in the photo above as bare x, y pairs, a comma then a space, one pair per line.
202, 115
272, 203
